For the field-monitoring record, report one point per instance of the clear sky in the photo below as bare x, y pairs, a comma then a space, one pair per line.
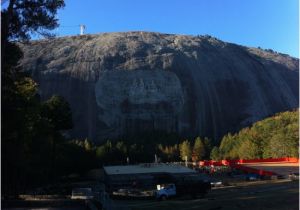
270, 24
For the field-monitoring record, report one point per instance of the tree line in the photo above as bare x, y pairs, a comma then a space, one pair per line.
273, 137
124, 152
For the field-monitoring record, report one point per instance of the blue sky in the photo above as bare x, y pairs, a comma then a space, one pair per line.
270, 24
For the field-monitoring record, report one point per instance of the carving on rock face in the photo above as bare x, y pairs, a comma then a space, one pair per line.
139, 100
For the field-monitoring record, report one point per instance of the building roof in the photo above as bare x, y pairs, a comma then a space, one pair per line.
147, 168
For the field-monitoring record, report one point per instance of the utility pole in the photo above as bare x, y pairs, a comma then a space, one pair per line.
186, 163
155, 159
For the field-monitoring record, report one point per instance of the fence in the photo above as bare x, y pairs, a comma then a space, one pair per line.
241, 161
237, 164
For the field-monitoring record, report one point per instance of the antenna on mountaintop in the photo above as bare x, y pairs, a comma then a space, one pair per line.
82, 28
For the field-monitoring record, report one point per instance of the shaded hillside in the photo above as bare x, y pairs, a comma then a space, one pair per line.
121, 84
274, 137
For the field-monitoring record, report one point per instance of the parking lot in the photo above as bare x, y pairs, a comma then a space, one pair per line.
269, 194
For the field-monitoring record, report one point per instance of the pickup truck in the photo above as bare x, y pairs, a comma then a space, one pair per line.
171, 190
165, 192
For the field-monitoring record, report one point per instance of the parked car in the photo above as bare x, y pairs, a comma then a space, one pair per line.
165, 191
182, 188
82, 193
280, 176
252, 177
216, 183
294, 176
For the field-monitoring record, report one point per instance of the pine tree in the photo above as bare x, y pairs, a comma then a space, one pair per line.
185, 150
215, 154
199, 149
87, 145
25, 131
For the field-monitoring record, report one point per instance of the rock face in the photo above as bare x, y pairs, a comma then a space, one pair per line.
141, 101
126, 83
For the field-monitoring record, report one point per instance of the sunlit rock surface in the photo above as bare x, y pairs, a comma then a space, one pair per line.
127, 83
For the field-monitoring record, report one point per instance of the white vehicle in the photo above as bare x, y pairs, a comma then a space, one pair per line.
216, 183
164, 192
185, 188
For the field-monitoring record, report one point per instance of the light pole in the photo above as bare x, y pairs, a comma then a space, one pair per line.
82, 28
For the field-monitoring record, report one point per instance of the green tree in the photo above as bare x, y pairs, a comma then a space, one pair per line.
120, 146
172, 152
168, 153
101, 152
23, 17
21, 126
276, 136
104, 152
25, 133
278, 146
185, 150
199, 149
227, 146
215, 154
208, 146
74, 158
58, 112
121, 152
88, 146
248, 150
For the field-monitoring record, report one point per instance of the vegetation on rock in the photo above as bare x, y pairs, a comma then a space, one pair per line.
274, 137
